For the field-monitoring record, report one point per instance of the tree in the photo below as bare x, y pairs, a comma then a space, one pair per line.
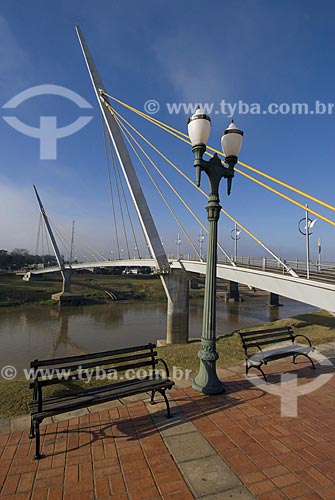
20, 251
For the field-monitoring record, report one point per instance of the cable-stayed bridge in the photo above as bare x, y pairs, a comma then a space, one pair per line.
125, 146
316, 292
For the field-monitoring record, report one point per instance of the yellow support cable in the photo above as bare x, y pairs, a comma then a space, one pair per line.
180, 135
183, 174
288, 269
175, 192
125, 132
170, 186
161, 174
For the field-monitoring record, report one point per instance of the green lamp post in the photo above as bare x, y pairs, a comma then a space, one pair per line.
199, 125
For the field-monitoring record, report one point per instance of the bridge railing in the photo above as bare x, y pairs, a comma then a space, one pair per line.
324, 271
318, 271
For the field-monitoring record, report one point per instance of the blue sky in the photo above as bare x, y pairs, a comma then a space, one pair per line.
253, 51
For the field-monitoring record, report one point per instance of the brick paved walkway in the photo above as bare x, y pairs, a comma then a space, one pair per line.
120, 453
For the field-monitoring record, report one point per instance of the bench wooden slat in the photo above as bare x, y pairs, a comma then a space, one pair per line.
275, 336
83, 376
69, 359
251, 343
70, 394
96, 363
267, 330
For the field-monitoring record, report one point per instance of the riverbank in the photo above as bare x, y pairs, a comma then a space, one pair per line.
94, 288
318, 326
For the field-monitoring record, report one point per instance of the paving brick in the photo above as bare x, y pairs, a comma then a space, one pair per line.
328, 493
81, 486
262, 487
148, 494
10, 485
166, 477
296, 490
286, 480
55, 493
252, 477
272, 495
40, 493
310, 496
102, 487
49, 482
26, 482
117, 483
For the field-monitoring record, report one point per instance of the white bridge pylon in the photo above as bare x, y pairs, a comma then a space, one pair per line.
311, 292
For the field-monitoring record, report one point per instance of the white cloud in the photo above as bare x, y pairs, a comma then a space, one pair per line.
19, 220
189, 67
18, 217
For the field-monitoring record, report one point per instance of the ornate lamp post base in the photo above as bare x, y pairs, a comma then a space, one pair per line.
207, 380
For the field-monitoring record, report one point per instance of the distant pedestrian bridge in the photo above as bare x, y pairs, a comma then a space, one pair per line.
318, 291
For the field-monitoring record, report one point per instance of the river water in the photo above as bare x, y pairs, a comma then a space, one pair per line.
29, 332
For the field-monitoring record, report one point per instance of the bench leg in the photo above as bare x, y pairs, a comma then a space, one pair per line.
38, 440
31, 433
306, 356
152, 400
162, 392
257, 368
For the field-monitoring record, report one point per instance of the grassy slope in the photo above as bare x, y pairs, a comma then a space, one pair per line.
319, 327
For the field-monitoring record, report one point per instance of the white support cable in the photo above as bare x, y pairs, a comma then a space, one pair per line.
96, 254
115, 168
110, 185
124, 131
38, 233
124, 197
117, 116
265, 247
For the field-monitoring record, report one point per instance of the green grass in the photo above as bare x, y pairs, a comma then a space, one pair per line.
319, 327
15, 291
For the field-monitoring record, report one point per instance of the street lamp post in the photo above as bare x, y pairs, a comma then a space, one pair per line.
201, 238
178, 243
307, 232
207, 380
235, 235
319, 254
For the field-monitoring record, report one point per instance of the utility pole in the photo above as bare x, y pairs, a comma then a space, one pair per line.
72, 240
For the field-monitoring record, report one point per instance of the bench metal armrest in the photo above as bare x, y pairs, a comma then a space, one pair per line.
250, 355
304, 336
165, 366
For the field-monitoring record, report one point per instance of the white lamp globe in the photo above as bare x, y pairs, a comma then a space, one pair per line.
199, 127
231, 140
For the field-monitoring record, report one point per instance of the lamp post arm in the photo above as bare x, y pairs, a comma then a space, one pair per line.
214, 168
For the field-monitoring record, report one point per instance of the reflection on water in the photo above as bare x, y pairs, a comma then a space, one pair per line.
41, 332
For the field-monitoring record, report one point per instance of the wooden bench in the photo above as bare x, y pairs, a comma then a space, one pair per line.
254, 340
134, 371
